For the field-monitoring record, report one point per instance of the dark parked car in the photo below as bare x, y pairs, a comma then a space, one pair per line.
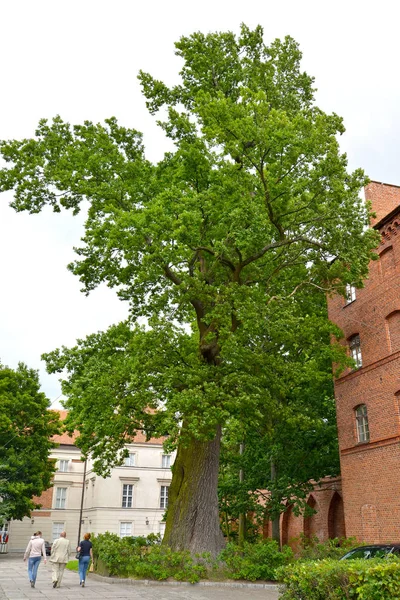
47, 545
372, 551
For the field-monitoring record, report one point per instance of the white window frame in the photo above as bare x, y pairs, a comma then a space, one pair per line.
63, 465
164, 493
165, 461
127, 495
60, 497
355, 350
125, 529
57, 528
350, 293
130, 460
361, 413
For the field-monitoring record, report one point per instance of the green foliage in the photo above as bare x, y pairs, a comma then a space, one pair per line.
73, 565
375, 579
26, 427
255, 561
313, 549
144, 558
223, 246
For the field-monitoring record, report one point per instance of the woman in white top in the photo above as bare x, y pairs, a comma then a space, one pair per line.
33, 553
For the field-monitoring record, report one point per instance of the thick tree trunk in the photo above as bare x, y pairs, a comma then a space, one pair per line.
193, 516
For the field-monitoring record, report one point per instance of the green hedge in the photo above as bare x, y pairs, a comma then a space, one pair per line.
341, 580
255, 561
145, 558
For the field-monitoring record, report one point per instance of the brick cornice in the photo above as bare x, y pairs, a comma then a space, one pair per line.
395, 439
370, 367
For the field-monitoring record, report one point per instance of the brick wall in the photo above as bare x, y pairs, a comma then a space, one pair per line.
45, 499
371, 470
327, 522
384, 198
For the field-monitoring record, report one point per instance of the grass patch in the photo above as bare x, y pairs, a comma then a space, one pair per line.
73, 565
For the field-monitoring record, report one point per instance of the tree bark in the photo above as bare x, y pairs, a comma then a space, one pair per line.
193, 516
242, 516
276, 530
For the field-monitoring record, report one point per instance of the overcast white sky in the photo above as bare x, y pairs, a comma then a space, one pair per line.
80, 58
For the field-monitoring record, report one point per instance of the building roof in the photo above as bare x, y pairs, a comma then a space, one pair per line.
64, 438
69, 440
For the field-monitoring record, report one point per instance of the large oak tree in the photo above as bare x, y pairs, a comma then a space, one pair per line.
211, 245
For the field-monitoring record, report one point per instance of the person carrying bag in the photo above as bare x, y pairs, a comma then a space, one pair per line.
85, 554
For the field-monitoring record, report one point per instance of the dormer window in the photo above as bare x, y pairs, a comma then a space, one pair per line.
355, 350
350, 293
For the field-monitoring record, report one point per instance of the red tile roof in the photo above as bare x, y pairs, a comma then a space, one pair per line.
64, 438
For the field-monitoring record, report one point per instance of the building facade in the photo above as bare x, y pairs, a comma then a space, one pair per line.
368, 396
132, 501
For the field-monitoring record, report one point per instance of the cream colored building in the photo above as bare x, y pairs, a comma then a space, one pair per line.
132, 501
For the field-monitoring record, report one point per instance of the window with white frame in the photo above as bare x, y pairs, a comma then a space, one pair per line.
355, 350
164, 496
61, 497
350, 293
130, 460
58, 528
125, 529
166, 461
162, 528
127, 495
362, 423
63, 466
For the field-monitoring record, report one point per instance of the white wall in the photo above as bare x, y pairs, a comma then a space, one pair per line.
102, 500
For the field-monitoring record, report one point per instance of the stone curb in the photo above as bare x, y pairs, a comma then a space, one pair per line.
227, 584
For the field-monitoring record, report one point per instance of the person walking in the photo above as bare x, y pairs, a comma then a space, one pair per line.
86, 553
59, 557
33, 553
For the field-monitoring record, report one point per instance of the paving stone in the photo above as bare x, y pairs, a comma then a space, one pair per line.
14, 585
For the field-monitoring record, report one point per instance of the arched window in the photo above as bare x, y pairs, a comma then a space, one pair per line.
393, 321
310, 522
336, 526
362, 424
355, 349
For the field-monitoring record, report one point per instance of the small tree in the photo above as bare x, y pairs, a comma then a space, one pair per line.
26, 428
294, 439
254, 204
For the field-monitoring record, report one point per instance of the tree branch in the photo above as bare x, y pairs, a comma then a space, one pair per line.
285, 242
222, 259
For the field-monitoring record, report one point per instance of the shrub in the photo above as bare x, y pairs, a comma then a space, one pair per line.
145, 558
255, 561
375, 579
313, 549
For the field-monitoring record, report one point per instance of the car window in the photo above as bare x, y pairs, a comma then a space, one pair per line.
379, 552
358, 553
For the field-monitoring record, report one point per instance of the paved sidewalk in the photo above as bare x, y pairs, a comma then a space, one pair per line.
14, 585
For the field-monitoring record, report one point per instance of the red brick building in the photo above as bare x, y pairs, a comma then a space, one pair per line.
368, 397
